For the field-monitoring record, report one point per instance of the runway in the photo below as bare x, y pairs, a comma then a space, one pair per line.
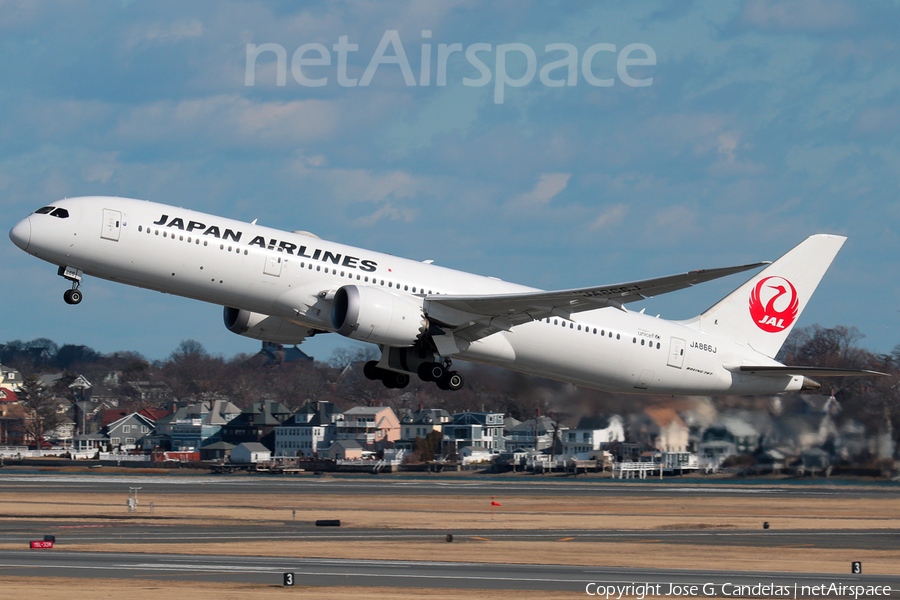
437, 484
425, 574
21, 531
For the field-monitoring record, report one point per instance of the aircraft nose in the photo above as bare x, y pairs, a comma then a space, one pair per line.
21, 233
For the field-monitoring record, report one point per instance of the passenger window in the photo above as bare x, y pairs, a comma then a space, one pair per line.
140, 228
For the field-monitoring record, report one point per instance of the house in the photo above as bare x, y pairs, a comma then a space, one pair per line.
661, 428
344, 450
216, 451
149, 391
63, 434
189, 427
533, 434
250, 452
123, 434
419, 424
276, 354
470, 454
731, 435
12, 424
307, 432
372, 427
10, 379
584, 442
256, 423
479, 430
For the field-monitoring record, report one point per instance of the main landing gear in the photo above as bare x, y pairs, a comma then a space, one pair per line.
73, 296
439, 373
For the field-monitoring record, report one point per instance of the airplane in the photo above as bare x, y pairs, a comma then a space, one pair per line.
283, 287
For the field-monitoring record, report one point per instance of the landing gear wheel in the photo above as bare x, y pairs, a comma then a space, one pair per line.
401, 380
452, 381
431, 371
370, 370
394, 380
72, 296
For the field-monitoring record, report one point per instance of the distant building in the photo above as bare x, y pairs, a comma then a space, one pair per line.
533, 434
419, 424
585, 442
256, 423
10, 379
250, 453
344, 450
124, 434
372, 427
308, 432
190, 427
479, 430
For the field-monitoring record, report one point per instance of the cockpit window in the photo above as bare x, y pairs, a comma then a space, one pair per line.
53, 212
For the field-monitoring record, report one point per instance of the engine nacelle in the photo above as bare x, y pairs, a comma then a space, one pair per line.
264, 327
374, 315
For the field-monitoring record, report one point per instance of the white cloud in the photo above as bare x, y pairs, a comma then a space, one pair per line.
228, 121
614, 215
548, 187
387, 211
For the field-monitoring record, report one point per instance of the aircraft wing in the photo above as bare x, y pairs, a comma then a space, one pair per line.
474, 317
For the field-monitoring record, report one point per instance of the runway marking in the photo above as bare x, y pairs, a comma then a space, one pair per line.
243, 569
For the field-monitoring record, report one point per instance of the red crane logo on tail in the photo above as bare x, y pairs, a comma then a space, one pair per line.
774, 304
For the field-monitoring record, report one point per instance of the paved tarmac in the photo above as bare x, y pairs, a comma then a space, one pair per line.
377, 485
22, 531
394, 573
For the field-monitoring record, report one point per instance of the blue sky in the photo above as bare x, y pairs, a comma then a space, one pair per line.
755, 124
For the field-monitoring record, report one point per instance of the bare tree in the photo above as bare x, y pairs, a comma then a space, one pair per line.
41, 408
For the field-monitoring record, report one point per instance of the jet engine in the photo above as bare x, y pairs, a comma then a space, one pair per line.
378, 316
264, 327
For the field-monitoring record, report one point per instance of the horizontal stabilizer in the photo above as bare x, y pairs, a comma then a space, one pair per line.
807, 371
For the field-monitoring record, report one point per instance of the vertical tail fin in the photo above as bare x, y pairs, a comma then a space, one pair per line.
762, 312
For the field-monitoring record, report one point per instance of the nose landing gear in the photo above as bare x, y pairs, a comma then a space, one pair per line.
73, 296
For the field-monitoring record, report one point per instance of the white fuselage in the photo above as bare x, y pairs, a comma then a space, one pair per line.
290, 275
